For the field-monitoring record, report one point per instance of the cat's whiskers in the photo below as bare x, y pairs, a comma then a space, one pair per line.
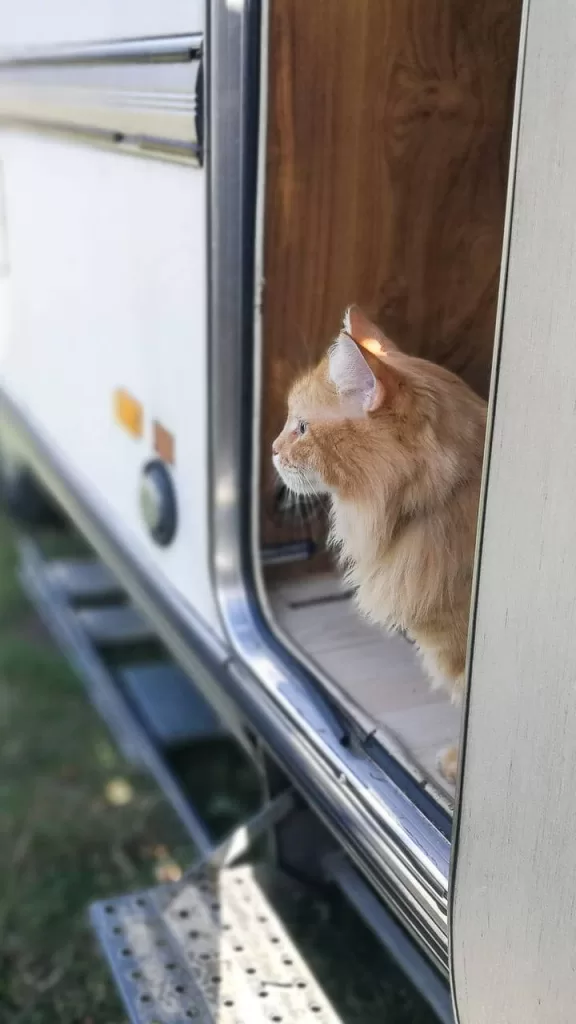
308, 482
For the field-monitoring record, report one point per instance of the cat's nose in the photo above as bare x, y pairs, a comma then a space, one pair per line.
274, 448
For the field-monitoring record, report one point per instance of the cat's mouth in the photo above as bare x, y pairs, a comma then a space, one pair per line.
299, 481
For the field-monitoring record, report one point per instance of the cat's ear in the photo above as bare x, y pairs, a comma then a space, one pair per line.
352, 376
365, 333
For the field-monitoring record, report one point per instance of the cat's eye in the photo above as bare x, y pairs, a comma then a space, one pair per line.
302, 427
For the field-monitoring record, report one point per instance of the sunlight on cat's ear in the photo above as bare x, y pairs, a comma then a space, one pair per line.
364, 332
352, 376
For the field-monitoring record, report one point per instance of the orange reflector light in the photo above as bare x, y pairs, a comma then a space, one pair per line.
128, 412
164, 443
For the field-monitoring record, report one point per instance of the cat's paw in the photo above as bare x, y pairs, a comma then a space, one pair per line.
448, 763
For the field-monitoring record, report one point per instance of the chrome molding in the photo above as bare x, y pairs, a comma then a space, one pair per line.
150, 50
396, 846
140, 93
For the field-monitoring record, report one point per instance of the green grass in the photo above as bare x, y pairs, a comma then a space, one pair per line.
63, 844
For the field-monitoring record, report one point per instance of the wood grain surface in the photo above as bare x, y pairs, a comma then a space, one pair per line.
386, 170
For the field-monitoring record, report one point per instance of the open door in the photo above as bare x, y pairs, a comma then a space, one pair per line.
385, 141
513, 916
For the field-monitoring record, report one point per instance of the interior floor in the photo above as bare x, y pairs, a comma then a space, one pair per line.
378, 673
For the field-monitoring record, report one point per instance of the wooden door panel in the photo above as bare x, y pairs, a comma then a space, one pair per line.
386, 174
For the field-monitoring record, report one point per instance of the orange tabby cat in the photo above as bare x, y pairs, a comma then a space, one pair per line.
397, 444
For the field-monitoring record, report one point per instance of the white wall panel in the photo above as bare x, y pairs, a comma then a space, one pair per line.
50, 22
107, 288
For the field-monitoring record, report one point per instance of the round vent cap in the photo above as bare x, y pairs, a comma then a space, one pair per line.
158, 502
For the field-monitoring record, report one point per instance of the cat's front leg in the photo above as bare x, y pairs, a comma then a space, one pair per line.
448, 763
448, 757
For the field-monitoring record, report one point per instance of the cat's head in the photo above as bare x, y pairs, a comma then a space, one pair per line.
371, 420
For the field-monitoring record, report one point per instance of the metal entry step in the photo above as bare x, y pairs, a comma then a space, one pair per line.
116, 626
83, 579
211, 950
138, 722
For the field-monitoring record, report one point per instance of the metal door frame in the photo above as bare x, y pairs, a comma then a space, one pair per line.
386, 828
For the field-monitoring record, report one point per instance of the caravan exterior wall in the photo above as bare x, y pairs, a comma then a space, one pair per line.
104, 269
37, 24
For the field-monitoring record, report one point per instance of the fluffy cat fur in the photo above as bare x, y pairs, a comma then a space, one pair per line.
397, 444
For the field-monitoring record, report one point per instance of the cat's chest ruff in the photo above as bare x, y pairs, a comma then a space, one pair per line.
355, 532
379, 570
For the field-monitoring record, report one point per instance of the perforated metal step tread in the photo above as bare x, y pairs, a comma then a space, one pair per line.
212, 951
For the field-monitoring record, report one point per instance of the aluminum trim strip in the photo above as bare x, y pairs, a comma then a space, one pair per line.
416, 967
389, 838
134, 116
155, 49
129, 96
